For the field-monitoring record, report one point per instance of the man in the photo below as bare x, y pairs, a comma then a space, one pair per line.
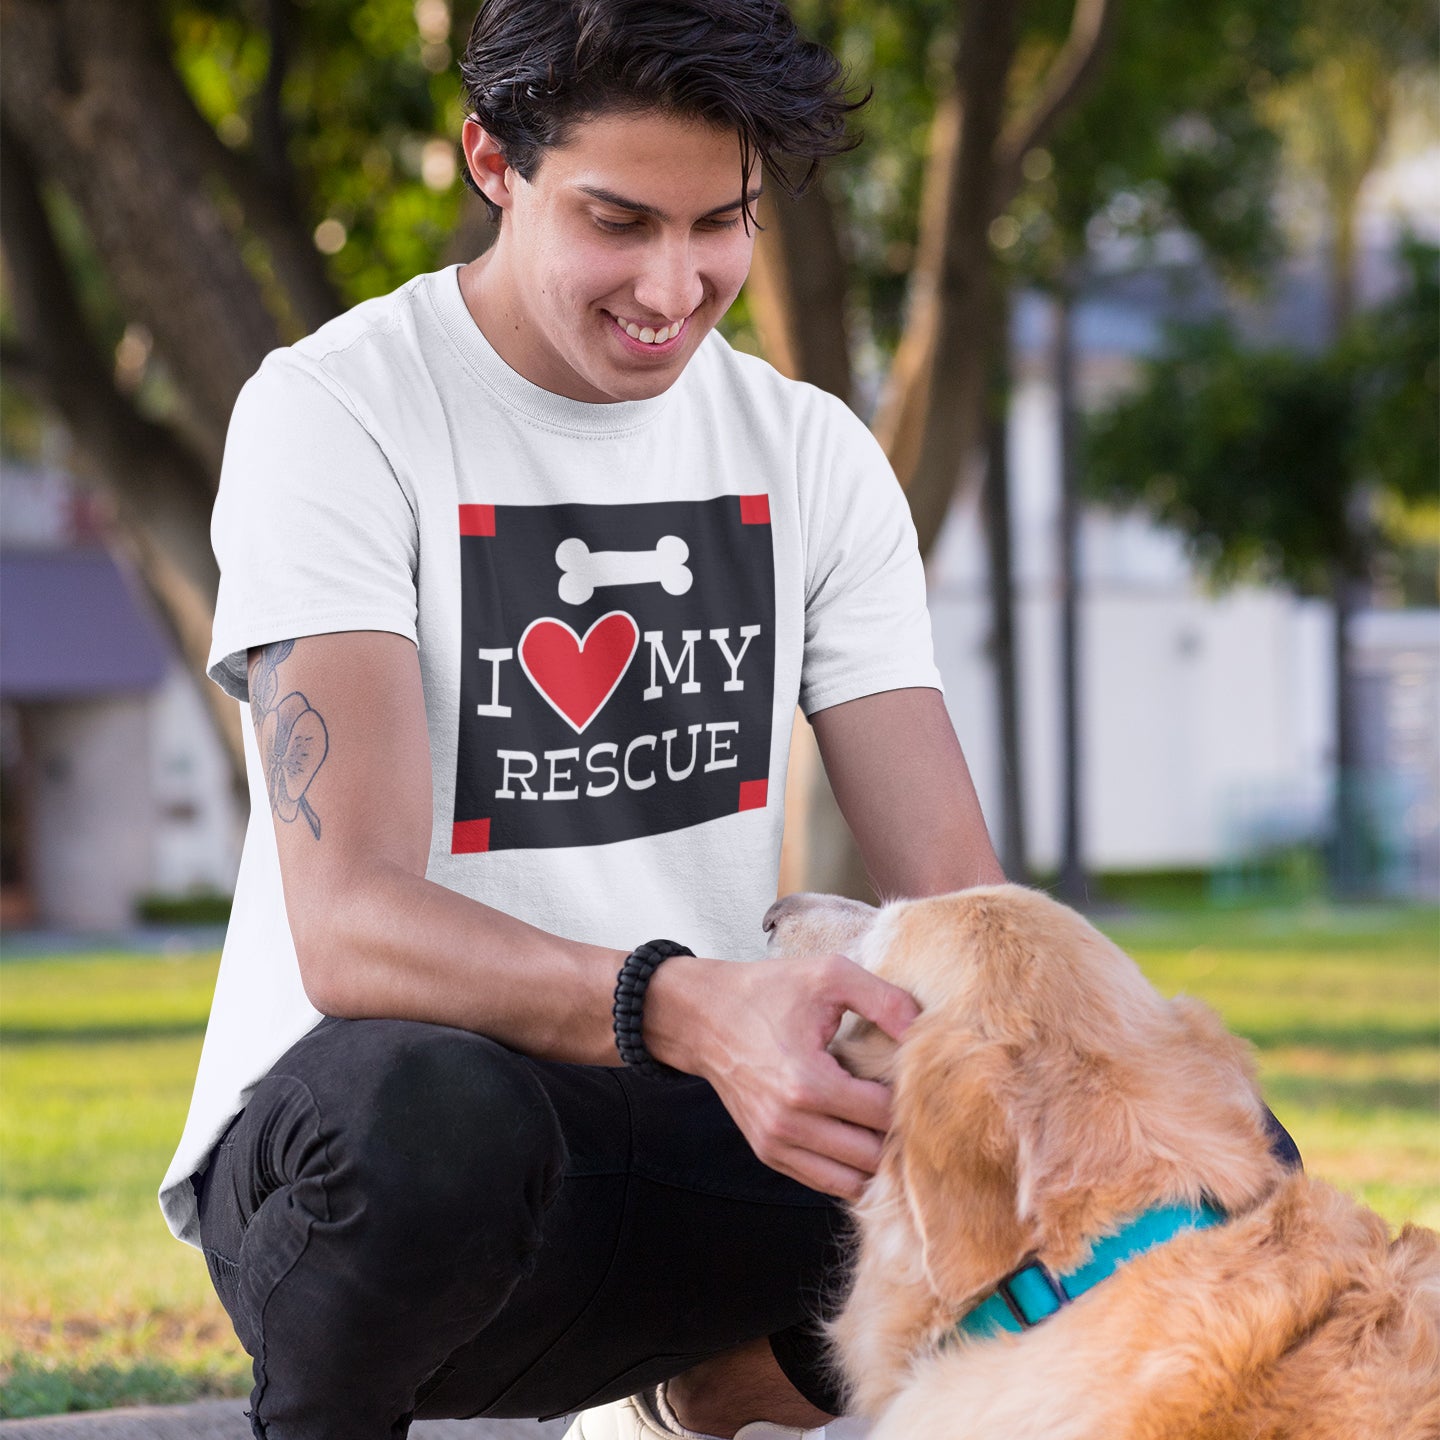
524, 571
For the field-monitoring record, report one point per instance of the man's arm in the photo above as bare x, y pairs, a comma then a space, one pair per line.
905, 791
340, 722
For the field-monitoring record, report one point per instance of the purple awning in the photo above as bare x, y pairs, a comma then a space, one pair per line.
71, 626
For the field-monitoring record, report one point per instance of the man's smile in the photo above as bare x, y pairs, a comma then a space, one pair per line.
650, 336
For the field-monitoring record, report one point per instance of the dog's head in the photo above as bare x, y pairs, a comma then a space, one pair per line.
1046, 1089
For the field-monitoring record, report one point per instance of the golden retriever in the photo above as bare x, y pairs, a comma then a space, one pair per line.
1045, 1094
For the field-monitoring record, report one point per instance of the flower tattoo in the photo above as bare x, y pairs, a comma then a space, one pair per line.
292, 737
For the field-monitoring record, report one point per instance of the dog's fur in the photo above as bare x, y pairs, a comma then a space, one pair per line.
1046, 1093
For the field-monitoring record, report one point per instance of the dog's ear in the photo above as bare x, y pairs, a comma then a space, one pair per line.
1173, 1115
1220, 1113
956, 1158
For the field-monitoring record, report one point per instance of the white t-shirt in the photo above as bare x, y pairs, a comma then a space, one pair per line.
617, 608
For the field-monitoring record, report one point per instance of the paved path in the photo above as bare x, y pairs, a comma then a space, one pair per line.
225, 1420
134, 940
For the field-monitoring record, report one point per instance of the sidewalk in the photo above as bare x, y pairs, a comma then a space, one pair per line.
225, 1420
133, 940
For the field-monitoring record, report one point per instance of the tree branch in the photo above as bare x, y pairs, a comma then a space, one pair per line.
1076, 65
797, 290
150, 471
162, 491
930, 420
269, 130
266, 187
19, 366
90, 90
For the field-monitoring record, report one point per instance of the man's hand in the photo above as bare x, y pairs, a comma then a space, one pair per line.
758, 1032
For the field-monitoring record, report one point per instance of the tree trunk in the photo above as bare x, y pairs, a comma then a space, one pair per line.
92, 101
938, 409
1348, 866
932, 416
996, 497
161, 491
797, 292
1073, 880
475, 233
932, 420
189, 616
1345, 173
798, 287
90, 91
269, 190
92, 96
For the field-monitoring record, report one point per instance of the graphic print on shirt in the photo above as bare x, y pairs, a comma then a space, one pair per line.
618, 671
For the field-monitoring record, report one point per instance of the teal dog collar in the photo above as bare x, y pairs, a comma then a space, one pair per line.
1033, 1292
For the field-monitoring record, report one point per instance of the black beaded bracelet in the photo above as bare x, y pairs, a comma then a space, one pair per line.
629, 1007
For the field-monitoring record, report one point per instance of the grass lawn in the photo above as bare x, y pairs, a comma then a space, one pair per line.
1344, 1009
98, 1306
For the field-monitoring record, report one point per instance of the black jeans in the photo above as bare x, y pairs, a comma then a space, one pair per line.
409, 1220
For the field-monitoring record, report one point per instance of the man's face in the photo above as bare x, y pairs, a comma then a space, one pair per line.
630, 231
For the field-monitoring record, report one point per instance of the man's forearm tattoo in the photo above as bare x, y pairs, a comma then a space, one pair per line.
292, 736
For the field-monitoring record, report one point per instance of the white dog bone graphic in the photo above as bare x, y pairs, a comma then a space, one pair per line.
584, 571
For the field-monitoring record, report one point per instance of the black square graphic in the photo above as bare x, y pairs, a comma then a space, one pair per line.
617, 675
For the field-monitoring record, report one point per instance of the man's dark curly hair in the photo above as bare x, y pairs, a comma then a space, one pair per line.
533, 68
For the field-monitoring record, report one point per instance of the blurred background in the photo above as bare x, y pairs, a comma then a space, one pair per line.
1142, 301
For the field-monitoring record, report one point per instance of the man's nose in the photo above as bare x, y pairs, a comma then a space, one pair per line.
669, 284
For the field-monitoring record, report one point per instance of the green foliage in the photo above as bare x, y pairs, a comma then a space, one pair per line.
1169, 138
1261, 457
901, 52
1398, 351
22, 420
201, 908
1243, 451
22, 430
1397, 358
368, 117
34, 1387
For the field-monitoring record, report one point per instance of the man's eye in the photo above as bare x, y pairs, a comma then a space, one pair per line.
730, 224
616, 227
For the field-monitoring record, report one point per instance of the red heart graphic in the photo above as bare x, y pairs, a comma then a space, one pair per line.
575, 676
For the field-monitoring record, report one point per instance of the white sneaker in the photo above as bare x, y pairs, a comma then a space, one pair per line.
636, 1418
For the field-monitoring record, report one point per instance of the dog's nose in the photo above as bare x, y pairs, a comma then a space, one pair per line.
778, 911
783, 907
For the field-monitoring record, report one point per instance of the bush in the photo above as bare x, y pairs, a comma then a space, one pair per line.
204, 907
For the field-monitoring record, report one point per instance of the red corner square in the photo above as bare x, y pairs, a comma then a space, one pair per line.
477, 519
753, 792
471, 837
755, 510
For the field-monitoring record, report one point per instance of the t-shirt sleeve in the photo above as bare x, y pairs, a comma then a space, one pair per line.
867, 628
313, 528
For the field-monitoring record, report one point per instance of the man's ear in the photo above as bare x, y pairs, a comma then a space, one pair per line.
488, 166
958, 1160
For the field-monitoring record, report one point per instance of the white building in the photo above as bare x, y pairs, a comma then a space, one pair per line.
115, 787
1207, 719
